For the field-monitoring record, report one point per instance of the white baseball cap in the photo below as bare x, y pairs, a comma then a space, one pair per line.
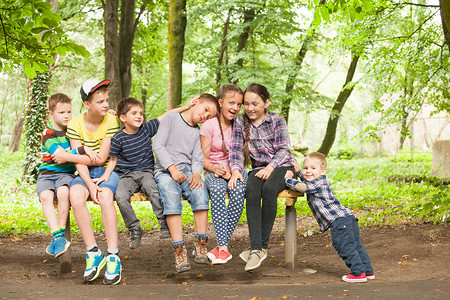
91, 85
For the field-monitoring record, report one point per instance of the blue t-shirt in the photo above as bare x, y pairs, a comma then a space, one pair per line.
134, 151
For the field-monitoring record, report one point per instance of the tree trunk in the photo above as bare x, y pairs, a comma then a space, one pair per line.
223, 48
112, 52
35, 122
127, 33
249, 16
330, 134
286, 103
445, 17
16, 135
176, 39
144, 102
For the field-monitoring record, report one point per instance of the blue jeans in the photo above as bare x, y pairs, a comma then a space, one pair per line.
170, 192
346, 240
225, 218
97, 172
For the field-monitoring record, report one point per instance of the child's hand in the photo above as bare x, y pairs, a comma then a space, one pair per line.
60, 156
177, 175
264, 173
112, 112
193, 101
296, 166
104, 178
227, 175
94, 156
93, 192
235, 176
195, 181
220, 171
289, 174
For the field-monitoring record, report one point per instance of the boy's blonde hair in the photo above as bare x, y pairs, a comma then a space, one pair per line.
319, 156
54, 99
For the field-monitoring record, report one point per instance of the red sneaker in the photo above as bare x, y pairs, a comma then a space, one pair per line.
371, 276
352, 278
213, 254
222, 258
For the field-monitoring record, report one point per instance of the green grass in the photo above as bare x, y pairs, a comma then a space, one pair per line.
360, 183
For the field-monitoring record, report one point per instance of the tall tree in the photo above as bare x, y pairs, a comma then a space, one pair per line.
330, 134
119, 45
176, 42
445, 18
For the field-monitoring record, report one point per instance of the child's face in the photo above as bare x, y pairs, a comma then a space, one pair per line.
133, 118
255, 107
98, 105
203, 111
230, 105
312, 169
61, 115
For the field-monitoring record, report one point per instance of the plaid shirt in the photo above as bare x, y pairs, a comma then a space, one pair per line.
268, 144
321, 200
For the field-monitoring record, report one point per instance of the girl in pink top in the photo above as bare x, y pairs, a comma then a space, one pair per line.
215, 137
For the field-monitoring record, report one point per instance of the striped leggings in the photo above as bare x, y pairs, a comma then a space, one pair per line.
225, 218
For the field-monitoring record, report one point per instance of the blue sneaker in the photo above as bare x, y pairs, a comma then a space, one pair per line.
113, 273
94, 263
61, 246
51, 248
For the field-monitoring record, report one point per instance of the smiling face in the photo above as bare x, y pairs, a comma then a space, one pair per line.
230, 105
61, 115
255, 107
312, 169
133, 119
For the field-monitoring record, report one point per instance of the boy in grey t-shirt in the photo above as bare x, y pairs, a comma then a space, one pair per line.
179, 163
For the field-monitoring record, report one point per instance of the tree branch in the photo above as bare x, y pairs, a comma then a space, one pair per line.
4, 31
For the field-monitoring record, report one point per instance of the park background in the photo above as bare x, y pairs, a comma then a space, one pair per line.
364, 82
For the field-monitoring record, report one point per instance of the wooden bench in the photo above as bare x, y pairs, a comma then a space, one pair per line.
290, 243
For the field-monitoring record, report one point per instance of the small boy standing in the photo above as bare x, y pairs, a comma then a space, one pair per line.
179, 163
56, 178
95, 128
330, 213
132, 155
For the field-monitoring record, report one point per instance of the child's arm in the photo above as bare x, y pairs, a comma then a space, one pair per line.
195, 181
109, 169
83, 171
159, 147
218, 170
294, 184
60, 156
181, 109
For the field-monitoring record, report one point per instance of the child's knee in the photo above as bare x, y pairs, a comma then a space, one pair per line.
47, 196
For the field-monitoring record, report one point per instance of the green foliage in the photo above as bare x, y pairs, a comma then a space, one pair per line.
35, 122
31, 36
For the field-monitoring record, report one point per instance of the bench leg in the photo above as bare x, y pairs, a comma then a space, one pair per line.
290, 246
65, 260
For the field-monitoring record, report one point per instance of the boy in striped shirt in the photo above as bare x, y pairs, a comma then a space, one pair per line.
131, 155
330, 213
55, 179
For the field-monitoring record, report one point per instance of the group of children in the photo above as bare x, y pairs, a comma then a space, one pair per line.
114, 163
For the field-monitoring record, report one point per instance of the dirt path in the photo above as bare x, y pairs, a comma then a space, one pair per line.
413, 257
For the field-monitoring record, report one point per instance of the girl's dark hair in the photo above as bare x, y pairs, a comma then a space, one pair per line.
221, 94
124, 105
263, 93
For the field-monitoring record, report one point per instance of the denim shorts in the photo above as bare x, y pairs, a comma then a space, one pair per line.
53, 181
170, 192
97, 172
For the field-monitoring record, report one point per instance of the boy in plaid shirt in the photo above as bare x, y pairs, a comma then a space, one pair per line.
330, 213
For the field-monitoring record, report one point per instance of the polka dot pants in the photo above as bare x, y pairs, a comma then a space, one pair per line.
225, 218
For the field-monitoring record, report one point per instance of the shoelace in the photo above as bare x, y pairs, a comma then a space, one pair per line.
90, 262
202, 247
111, 266
179, 254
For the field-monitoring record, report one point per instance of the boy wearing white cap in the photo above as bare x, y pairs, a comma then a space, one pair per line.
95, 128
